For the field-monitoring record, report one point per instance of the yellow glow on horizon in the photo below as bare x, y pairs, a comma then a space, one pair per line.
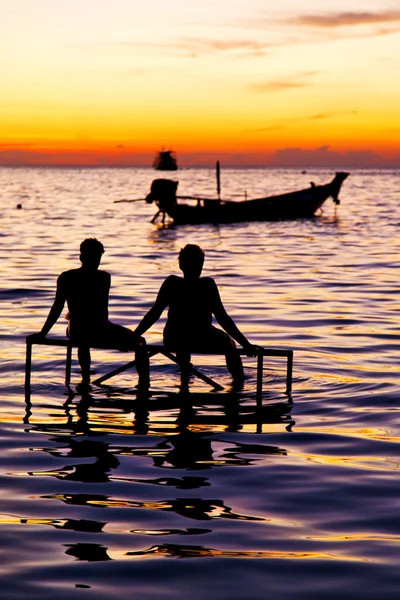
287, 77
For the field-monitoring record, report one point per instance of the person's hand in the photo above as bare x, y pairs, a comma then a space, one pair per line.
252, 349
36, 337
132, 343
137, 340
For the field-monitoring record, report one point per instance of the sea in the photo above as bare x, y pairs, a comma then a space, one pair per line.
201, 494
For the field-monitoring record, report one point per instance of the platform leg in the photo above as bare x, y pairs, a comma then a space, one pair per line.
260, 368
68, 362
289, 372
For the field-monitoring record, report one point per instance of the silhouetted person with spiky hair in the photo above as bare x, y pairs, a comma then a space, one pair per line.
192, 302
86, 291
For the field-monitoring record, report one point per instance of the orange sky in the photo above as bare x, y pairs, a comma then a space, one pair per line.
93, 82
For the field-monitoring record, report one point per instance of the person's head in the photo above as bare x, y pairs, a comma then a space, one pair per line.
91, 253
191, 260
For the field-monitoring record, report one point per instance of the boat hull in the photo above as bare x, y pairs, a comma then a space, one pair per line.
251, 210
293, 205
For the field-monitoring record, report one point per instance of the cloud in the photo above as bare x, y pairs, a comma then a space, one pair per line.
324, 157
331, 115
279, 85
187, 47
18, 145
264, 129
245, 47
327, 27
284, 157
29, 158
288, 122
345, 19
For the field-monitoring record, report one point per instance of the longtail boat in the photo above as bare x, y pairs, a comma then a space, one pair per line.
291, 205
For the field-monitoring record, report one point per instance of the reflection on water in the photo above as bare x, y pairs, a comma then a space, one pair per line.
102, 492
89, 552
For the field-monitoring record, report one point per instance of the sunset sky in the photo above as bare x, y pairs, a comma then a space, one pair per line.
256, 82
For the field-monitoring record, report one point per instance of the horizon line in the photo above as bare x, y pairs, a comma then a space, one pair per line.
201, 166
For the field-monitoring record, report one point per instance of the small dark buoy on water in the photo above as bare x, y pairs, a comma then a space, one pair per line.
19, 206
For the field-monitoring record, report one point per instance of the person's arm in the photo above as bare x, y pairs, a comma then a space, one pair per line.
105, 295
55, 310
155, 311
229, 325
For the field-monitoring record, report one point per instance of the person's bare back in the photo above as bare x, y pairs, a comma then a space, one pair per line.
192, 302
86, 293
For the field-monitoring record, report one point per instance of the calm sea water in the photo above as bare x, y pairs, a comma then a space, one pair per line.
201, 496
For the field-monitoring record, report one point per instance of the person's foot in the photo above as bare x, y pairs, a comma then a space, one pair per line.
238, 383
83, 386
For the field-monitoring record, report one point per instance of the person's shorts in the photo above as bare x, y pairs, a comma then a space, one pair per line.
116, 336
213, 340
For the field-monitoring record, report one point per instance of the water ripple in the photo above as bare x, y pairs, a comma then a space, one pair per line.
296, 500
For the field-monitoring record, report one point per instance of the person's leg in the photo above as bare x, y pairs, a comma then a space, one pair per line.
222, 342
178, 346
214, 340
84, 357
142, 363
234, 362
122, 338
183, 357
84, 361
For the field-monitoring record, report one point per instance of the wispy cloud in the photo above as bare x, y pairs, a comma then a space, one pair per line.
244, 47
187, 47
279, 85
325, 157
326, 27
266, 129
317, 117
330, 115
17, 145
345, 19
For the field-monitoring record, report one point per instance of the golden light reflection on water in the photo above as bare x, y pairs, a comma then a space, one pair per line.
381, 537
338, 538
201, 552
371, 433
373, 463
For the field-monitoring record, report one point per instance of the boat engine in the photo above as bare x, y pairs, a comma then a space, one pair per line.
163, 193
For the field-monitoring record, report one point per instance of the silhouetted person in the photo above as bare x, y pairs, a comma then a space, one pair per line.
86, 291
192, 302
